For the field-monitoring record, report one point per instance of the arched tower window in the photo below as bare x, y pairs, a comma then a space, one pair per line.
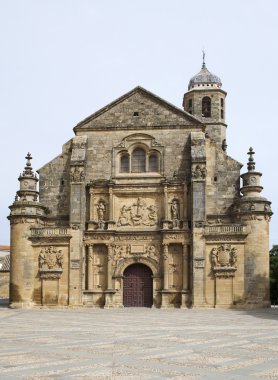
124, 163
190, 106
153, 163
206, 107
138, 161
222, 108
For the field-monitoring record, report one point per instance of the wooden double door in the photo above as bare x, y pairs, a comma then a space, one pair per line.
138, 286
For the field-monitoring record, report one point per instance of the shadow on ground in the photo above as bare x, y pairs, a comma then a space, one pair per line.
4, 302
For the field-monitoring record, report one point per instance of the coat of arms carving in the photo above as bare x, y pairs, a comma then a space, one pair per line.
50, 258
223, 260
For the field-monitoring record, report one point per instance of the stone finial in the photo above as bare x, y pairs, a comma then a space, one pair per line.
204, 63
28, 170
251, 163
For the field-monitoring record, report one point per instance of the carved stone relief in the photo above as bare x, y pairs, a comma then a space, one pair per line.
50, 263
77, 174
51, 258
123, 252
223, 260
138, 214
199, 172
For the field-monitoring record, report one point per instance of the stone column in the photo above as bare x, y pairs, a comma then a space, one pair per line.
166, 213
198, 202
110, 291
165, 291
91, 204
185, 211
166, 266
185, 277
90, 267
109, 267
111, 213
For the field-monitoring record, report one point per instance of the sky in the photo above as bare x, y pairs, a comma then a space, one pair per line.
62, 60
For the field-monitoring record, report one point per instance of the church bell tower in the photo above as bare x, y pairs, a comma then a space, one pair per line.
206, 100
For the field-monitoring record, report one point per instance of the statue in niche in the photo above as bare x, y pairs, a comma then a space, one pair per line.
101, 212
124, 219
175, 213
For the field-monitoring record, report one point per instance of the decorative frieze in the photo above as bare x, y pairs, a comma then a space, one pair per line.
55, 231
120, 252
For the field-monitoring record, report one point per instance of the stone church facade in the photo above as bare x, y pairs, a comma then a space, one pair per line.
143, 207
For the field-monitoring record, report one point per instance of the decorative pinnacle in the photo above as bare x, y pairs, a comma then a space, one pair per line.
28, 170
251, 163
204, 56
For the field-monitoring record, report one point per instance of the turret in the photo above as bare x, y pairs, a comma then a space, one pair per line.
26, 211
254, 211
206, 100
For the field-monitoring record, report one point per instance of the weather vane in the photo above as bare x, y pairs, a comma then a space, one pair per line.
204, 55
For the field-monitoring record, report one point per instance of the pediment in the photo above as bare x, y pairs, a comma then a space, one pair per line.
136, 109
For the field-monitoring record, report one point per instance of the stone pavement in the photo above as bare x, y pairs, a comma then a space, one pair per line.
138, 343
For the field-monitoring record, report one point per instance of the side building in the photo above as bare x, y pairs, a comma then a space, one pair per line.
143, 207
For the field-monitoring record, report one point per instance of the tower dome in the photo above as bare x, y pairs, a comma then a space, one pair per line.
205, 100
204, 78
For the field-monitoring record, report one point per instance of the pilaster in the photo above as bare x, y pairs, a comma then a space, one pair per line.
198, 196
77, 214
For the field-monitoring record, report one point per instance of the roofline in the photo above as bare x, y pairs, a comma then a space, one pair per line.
127, 95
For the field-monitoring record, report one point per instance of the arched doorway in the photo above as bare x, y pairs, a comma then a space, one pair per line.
138, 286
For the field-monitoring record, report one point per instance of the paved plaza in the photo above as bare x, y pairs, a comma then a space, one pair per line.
138, 343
